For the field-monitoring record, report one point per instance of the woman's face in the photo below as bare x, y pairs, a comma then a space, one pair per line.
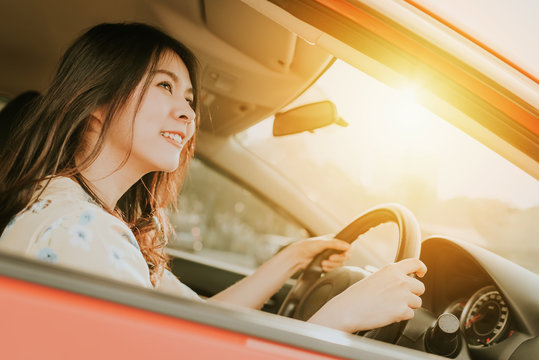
164, 123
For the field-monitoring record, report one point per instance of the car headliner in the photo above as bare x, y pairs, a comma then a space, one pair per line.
36, 33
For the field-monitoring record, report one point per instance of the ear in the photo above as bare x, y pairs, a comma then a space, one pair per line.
99, 115
96, 121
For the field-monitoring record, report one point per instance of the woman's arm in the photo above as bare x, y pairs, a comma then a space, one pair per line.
254, 290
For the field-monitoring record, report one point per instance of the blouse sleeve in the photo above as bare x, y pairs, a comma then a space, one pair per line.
171, 285
95, 242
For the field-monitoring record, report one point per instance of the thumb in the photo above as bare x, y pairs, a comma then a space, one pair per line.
335, 244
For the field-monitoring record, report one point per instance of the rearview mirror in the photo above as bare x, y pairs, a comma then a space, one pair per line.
306, 118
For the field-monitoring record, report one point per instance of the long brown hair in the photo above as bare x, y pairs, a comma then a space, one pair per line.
100, 69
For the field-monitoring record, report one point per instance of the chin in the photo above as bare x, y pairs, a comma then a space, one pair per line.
167, 168
163, 164
170, 167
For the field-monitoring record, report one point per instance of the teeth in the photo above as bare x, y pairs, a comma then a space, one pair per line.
177, 138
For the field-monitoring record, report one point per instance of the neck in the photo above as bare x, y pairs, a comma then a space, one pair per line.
110, 188
110, 179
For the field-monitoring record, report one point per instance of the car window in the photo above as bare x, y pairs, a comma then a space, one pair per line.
396, 150
219, 218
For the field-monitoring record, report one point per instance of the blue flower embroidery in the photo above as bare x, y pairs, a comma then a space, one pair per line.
86, 217
47, 255
116, 258
80, 236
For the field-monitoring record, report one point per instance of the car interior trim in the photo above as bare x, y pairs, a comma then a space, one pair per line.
244, 321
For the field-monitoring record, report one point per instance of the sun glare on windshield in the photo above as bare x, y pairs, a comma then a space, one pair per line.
393, 139
395, 150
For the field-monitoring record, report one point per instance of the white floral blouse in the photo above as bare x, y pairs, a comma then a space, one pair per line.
65, 227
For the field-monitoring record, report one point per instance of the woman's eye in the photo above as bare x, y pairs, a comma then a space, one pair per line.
191, 102
166, 85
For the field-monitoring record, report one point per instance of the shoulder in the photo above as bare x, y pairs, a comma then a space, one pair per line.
43, 216
55, 201
72, 232
48, 214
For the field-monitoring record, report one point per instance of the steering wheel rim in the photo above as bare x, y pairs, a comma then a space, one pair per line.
408, 247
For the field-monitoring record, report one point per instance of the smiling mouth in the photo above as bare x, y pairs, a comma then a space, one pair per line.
174, 138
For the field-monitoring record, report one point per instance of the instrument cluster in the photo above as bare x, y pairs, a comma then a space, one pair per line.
484, 318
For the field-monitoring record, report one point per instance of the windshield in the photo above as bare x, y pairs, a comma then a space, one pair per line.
395, 150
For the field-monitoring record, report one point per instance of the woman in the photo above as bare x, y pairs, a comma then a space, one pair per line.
104, 152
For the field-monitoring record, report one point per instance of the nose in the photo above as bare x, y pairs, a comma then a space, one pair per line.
185, 113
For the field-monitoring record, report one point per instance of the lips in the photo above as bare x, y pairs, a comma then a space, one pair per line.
174, 137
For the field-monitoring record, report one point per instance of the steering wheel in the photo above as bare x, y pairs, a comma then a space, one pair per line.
313, 289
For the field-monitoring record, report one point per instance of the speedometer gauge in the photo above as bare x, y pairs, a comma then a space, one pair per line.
485, 317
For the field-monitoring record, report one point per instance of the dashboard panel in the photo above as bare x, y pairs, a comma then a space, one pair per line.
496, 301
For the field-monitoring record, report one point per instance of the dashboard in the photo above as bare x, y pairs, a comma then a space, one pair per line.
495, 301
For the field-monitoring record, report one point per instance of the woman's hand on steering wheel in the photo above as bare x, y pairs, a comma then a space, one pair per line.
389, 295
304, 251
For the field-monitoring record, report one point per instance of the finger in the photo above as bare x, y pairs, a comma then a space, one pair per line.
412, 266
406, 314
417, 287
415, 302
339, 258
329, 265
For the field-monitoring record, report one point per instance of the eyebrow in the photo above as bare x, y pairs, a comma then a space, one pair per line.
173, 76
